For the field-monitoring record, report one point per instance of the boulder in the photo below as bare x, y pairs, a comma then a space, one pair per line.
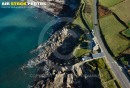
78, 71
69, 80
59, 80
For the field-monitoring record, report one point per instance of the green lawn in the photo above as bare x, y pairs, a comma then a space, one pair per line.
105, 75
78, 52
88, 12
87, 15
110, 84
109, 3
79, 22
110, 28
126, 33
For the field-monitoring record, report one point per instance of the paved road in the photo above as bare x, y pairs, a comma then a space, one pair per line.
117, 71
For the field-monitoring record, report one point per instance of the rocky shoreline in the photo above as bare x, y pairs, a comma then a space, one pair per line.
50, 74
46, 49
54, 72
55, 40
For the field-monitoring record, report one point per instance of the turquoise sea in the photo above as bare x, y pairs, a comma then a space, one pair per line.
19, 32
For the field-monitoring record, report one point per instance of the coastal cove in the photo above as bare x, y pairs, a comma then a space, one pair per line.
64, 44
19, 32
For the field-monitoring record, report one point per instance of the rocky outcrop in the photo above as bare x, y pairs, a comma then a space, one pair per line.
59, 80
77, 70
67, 77
70, 79
46, 49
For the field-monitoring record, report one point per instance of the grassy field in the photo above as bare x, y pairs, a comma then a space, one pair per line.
78, 52
126, 33
110, 28
109, 3
110, 84
124, 11
105, 75
88, 12
79, 22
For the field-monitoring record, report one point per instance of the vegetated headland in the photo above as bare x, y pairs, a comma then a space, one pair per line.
71, 57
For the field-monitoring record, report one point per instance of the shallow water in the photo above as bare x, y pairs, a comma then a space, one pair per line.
19, 32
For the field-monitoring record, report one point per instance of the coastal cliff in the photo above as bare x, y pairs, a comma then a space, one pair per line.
51, 73
52, 6
58, 7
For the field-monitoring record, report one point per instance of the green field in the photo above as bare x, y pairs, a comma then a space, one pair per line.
86, 9
110, 84
110, 28
109, 3
79, 22
105, 75
88, 12
126, 33
123, 11
78, 52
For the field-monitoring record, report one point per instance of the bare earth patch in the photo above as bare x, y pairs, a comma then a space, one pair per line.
103, 11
